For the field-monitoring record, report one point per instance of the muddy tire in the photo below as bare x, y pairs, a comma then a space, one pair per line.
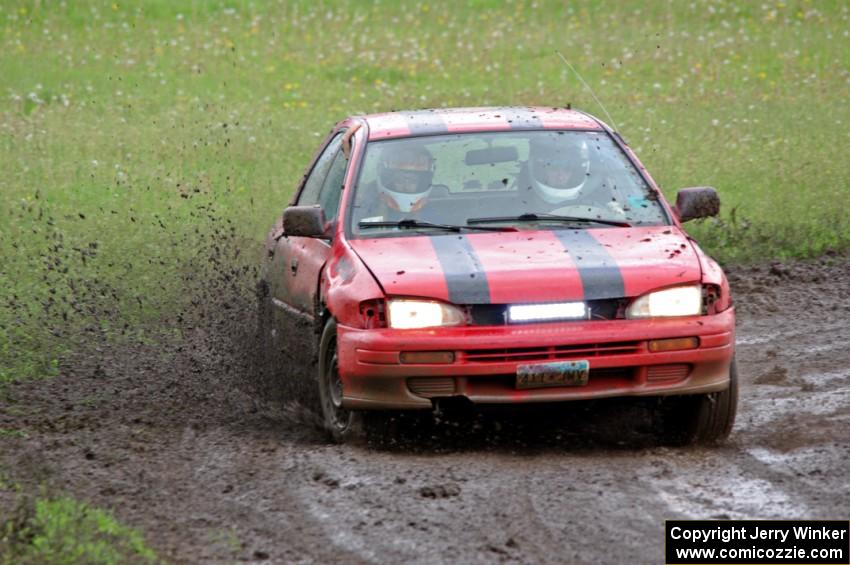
264, 358
704, 419
342, 425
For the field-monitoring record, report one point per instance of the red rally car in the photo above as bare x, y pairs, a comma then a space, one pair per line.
502, 255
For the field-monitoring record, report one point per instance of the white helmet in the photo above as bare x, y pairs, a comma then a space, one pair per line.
559, 168
404, 177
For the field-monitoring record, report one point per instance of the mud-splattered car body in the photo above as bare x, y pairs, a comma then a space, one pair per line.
331, 269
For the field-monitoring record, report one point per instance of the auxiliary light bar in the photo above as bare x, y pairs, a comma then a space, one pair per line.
547, 312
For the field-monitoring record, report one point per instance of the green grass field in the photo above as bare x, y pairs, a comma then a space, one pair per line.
130, 132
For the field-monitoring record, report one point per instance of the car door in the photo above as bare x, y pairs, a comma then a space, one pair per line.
296, 265
308, 254
288, 251
293, 278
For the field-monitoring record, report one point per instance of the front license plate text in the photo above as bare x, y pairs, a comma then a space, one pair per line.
562, 373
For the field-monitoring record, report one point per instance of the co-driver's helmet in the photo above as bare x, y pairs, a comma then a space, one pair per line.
559, 167
404, 177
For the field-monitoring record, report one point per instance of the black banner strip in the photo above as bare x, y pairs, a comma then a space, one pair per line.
522, 119
465, 277
426, 123
757, 542
600, 275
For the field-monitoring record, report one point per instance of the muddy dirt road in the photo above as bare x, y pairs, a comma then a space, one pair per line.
174, 444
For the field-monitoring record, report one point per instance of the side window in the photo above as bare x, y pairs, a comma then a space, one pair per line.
310, 193
332, 188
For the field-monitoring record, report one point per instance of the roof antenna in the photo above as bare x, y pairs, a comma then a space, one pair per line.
587, 86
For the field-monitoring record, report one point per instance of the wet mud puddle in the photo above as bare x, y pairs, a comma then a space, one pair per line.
175, 445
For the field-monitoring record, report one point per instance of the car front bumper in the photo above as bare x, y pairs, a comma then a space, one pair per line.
486, 359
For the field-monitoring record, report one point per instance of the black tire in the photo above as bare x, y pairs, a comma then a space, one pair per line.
342, 425
376, 427
704, 419
264, 356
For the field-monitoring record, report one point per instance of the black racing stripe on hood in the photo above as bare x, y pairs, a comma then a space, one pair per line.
522, 119
465, 277
600, 275
426, 123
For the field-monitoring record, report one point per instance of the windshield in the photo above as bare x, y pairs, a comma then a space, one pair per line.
522, 179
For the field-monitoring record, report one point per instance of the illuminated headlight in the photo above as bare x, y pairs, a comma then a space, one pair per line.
410, 314
676, 301
547, 312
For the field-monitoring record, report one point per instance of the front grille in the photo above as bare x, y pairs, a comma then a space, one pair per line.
611, 373
430, 387
551, 352
487, 314
665, 373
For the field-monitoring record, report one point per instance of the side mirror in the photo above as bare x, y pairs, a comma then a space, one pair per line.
696, 202
304, 221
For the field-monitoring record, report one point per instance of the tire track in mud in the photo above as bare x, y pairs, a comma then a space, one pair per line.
794, 404
798, 400
176, 442
255, 486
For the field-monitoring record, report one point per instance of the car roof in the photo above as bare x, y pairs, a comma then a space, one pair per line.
457, 120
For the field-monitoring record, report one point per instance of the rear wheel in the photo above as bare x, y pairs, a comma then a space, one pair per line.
264, 358
702, 419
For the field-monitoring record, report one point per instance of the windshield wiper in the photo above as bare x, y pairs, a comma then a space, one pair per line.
546, 218
410, 223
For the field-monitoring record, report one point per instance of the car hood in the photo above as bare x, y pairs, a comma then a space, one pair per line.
531, 266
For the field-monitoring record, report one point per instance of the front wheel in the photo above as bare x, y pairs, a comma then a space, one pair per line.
340, 423
702, 419
376, 427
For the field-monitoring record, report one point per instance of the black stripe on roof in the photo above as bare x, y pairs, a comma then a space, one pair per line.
426, 123
522, 119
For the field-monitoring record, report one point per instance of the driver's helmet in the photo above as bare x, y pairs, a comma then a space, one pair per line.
404, 177
559, 167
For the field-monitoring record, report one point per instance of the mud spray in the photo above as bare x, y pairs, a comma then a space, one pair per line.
165, 411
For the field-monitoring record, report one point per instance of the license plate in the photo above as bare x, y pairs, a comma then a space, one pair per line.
562, 373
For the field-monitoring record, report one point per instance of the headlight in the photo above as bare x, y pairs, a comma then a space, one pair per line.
409, 314
676, 301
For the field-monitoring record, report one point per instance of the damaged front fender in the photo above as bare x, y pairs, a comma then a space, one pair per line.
346, 283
